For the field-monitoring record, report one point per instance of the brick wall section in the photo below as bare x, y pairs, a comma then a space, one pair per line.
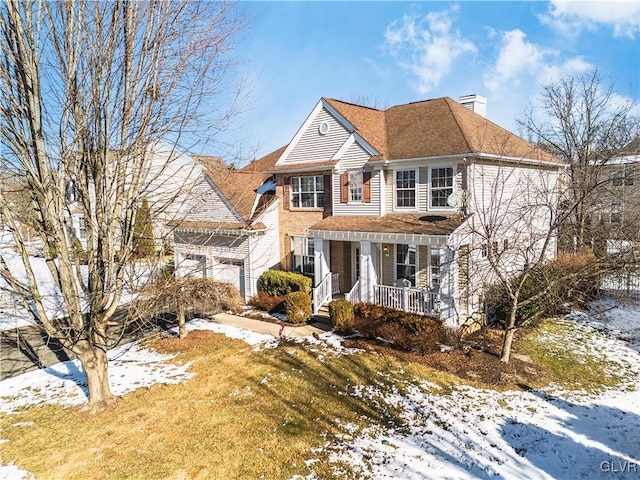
293, 221
341, 263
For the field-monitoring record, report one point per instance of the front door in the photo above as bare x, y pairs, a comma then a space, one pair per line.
355, 262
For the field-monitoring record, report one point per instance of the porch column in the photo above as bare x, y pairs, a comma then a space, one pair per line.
321, 258
368, 277
449, 289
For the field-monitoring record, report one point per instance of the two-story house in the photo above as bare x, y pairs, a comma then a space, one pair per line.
384, 205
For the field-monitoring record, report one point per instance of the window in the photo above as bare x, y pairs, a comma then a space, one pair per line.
435, 268
615, 213
406, 189
355, 187
441, 186
82, 229
307, 192
406, 262
303, 254
484, 250
623, 178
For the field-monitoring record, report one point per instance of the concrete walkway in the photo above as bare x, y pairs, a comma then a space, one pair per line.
269, 328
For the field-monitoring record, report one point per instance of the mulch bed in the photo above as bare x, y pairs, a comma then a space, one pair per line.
477, 360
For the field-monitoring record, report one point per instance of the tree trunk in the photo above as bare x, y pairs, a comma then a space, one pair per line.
509, 333
182, 324
94, 361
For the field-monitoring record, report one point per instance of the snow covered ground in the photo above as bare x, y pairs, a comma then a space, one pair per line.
465, 434
13, 315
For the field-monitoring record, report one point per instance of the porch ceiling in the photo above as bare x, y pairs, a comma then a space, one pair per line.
419, 228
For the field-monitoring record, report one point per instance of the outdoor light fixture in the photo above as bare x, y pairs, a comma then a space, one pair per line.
385, 249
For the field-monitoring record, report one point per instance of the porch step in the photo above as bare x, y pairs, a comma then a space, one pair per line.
322, 317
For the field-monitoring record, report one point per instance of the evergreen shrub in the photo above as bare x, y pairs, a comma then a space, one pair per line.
341, 313
278, 282
297, 307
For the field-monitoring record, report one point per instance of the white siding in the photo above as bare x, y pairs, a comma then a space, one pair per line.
423, 189
353, 159
388, 176
264, 250
423, 180
314, 147
205, 205
358, 208
509, 203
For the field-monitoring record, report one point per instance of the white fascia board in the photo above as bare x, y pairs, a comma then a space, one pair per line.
357, 139
519, 160
345, 146
308, 167
406, 161
378, 237
349, 126
296, 138
338, 116
463, 156
272, 206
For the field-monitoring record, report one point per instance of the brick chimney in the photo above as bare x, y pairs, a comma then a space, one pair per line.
475, 103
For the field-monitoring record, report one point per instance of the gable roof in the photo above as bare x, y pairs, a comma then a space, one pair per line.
432, 128
265, 163
238, 188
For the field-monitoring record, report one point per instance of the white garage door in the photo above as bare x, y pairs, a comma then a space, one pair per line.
231, 271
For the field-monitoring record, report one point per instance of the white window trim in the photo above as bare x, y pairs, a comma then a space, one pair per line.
446, 208
395, 262
316, 192
415, 208
356, 202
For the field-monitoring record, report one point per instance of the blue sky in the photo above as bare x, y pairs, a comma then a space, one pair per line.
293, 53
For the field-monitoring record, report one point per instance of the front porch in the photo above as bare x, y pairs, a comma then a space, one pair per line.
413, 300
405, 277
402, 261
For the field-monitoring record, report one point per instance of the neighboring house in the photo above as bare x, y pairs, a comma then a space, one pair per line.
228, 228
617, 209
169, 177
380, 204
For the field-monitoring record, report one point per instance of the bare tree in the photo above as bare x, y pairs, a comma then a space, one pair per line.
585, 123
514, 237
512, 231
87, 90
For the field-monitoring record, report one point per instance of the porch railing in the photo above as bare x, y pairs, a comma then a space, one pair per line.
335, 283
322, 293
408, 299
353, 295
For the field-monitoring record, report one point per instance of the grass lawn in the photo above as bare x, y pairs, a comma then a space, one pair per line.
253, 413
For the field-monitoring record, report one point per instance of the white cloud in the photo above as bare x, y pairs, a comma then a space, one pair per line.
524, 63
426, 46
572, 17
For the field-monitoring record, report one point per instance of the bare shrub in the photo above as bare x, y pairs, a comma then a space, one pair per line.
187, 298
268, 303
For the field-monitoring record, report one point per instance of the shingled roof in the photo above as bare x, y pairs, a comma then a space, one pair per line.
430, 128
410, 223
265, 163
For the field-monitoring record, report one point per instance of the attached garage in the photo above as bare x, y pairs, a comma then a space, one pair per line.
230, 270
